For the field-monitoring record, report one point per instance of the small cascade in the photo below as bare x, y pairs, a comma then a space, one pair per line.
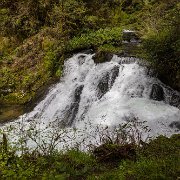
106, 94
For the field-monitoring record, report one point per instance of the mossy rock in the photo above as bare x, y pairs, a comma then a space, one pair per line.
102, 57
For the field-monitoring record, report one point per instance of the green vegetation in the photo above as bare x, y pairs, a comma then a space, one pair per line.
110, 36
162, 41
158, 159
37, 36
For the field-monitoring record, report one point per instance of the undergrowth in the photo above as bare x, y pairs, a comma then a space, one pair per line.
36, 37
152, 161
121, 154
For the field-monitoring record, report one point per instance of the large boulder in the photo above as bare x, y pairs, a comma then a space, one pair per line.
102, 56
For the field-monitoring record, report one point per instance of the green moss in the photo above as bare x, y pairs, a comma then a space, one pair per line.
49, 60
58, 73
109, 48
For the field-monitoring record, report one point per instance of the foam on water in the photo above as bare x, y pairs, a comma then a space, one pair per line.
79, 101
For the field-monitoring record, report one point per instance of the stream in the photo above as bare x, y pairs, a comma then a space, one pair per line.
92, 96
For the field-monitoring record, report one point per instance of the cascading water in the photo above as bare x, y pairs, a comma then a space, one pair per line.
106, 94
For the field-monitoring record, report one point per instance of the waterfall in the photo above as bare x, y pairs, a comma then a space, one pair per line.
106, 94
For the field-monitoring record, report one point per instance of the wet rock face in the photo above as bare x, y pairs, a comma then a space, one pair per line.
103, 86
157, 93
115, 73
168, 95
107, 81
81, 59
175, 124
175, 100
73, 109
88, 51
77, 93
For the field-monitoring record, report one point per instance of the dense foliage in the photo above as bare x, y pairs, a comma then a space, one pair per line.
162, 42
37, 36
159, 159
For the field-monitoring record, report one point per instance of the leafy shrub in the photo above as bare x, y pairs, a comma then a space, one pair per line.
157, 160
97, 38
161, 44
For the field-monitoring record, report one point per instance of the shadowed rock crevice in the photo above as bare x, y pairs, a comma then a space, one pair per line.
107, 81
175, 100
163, 93
157, 93
103, 86
115, 153
72, 111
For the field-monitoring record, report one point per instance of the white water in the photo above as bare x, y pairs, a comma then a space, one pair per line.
127, 96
